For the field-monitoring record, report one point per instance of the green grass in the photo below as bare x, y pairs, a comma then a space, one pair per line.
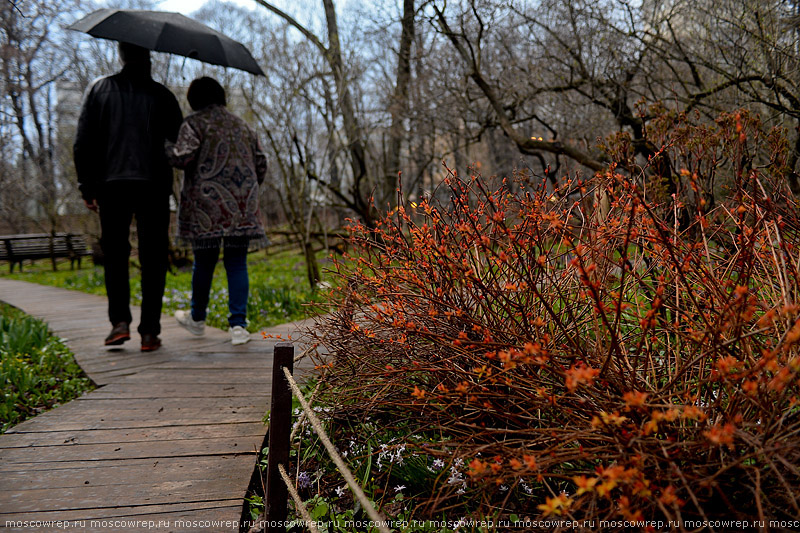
279, 292
37, 372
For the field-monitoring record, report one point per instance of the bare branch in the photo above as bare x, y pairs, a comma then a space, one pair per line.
525, 144
299, 27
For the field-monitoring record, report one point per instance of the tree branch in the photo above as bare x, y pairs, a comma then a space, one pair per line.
524, 143
299, 27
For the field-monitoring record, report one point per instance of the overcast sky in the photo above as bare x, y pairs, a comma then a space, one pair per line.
187, 6
294, 7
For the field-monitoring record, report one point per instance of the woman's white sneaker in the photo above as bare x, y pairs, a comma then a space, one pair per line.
195, 327
239, 335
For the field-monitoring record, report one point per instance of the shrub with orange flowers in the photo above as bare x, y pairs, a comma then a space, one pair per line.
620, 347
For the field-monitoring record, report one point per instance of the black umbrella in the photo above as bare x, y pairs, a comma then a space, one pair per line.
168, 32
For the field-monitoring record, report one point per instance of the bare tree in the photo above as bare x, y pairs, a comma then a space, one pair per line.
31, 61
368, 179
560, 75
399, 103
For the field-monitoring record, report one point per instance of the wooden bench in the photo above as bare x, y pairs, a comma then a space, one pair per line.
18, 248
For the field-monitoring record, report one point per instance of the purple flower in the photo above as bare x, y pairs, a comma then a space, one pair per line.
303, 480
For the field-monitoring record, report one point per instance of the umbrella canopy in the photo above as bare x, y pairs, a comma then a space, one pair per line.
174, 33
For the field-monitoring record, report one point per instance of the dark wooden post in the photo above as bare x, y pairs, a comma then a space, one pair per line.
10, 254
71, 252
52, 249
280, 428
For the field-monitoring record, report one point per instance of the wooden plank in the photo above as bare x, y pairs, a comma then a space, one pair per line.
147, 412
220, 509
88, 403
79, 318
124, 390
77, 424
197, 415
78, 305
165, 407
254, 362
226, 462
251, 413
132, 450
112, 371
216, 516
223, 362
128, 356
168, 433
173, 338
212, 339
209, 471
88, 496
263, 348
43, 297
29, 476
199, 377
89, 406
71, 438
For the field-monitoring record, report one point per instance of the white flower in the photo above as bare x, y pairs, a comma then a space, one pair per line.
455, 477
340, 490
398, 456
398, 488
392, 457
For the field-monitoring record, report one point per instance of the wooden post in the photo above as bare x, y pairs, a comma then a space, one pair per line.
10, 254
71, 252
52, 249
280, 428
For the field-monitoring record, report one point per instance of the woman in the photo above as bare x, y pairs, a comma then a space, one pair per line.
223, 165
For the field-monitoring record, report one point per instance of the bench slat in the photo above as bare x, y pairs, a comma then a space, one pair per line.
18, 248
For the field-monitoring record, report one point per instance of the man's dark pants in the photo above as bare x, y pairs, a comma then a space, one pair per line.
120, 202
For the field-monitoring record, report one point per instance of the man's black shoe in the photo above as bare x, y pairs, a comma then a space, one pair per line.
150, 342
119, 334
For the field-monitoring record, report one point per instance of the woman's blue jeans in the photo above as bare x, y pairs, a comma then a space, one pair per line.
235, 261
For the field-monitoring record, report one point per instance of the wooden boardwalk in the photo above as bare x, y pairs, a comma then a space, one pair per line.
167, 442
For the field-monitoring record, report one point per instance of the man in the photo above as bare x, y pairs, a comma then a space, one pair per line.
123, 173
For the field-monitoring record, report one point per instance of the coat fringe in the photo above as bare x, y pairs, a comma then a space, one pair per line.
249, 242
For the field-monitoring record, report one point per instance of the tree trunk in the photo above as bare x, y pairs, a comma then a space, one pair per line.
312, 267
398, 106
352, 129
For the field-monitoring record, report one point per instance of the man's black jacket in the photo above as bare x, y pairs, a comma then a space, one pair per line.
124, 121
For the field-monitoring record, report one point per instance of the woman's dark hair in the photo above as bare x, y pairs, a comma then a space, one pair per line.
204, 92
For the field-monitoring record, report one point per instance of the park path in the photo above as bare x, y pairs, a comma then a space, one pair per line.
167, 441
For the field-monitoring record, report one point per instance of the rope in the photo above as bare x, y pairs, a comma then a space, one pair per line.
298, 502
340, 464
301, 420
